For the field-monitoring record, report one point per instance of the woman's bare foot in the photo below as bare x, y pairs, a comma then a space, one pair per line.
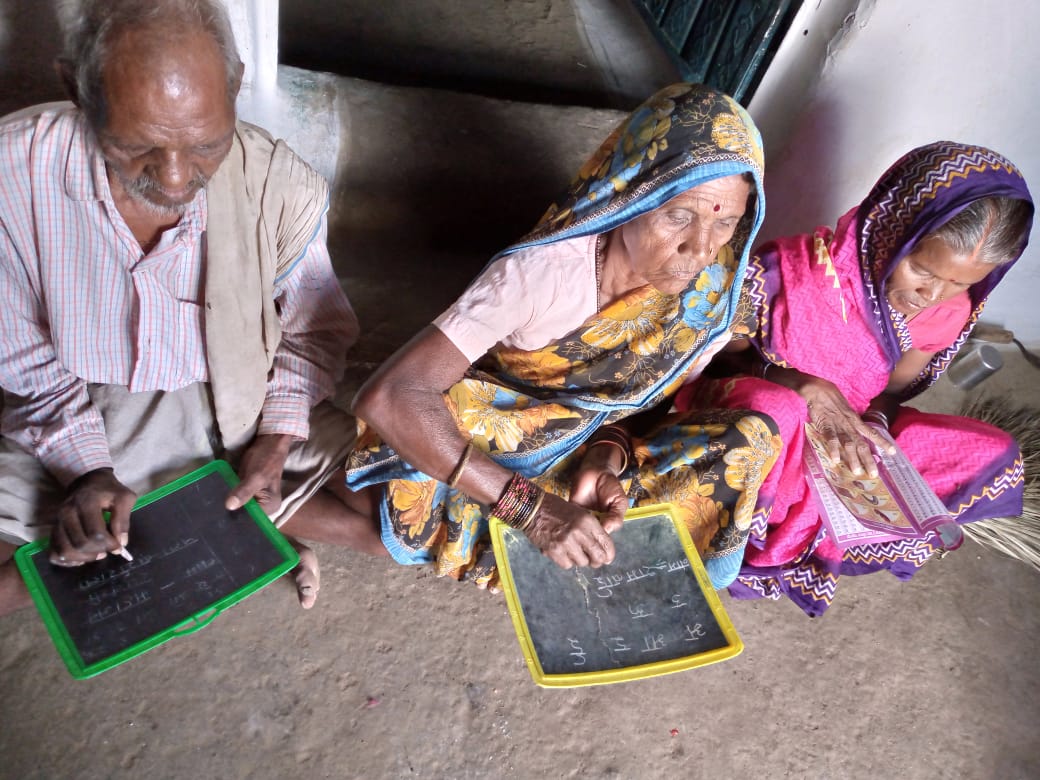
307, 574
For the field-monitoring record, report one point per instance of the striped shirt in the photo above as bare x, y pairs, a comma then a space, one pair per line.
84, 303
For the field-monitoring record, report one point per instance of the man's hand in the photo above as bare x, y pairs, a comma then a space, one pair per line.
570, 535
80, 533
261, 473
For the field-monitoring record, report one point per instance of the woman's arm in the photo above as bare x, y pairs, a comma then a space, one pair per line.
404, 402
845, 433
885, 407
907, 369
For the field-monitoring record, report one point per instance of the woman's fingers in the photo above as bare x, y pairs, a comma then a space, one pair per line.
859, 458
846, 442
880, 441
571, 536
586, 547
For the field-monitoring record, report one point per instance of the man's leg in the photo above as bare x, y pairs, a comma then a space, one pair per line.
316, 505
28, 499
333, 515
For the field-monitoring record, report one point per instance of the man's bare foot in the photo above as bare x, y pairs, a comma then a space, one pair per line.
308, 575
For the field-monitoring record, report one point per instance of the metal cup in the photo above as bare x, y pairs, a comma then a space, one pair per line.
973, 364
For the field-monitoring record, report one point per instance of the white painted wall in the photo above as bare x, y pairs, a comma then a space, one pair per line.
856, 84
255, 23
288, 103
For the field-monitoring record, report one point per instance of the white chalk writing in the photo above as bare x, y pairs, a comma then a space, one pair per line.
618, 644
652, 642
694, 633
577, 653
201, 566
605, 585
131, 601
638, 611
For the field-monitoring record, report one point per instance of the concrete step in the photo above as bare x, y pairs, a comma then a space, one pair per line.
427, 184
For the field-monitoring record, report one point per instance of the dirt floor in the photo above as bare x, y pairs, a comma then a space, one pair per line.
397, 674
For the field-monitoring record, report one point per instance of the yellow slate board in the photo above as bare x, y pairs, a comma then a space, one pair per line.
651, 611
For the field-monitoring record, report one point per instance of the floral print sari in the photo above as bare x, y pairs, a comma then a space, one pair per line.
532, 411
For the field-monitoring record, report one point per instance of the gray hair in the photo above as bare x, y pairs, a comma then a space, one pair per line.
995, 227
93, 25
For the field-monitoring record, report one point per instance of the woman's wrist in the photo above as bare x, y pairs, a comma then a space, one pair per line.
608, 457
519, 503
763, 367
609, 448
876, 416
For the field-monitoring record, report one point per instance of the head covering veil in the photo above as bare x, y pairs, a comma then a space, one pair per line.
683, 136
922, 191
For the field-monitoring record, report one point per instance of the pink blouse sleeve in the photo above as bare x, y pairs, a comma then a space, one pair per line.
937, 327
524, 300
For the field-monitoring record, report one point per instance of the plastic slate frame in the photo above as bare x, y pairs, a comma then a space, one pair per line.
734, 645
63, 640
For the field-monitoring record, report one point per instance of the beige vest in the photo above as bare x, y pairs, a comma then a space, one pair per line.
264, 206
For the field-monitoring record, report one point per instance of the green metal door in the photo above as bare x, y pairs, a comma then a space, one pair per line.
724, 43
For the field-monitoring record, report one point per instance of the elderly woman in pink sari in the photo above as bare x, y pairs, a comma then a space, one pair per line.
848, 323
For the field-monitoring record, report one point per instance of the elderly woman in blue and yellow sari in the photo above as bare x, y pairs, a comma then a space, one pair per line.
541, 395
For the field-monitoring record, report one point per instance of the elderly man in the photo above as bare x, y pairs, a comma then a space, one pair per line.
168, 295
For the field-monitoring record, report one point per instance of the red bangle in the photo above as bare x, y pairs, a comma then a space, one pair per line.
519, 503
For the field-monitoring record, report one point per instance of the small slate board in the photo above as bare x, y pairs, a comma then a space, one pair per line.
192, 559
651, 611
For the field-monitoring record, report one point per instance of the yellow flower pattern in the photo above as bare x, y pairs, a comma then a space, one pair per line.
747, 467
412, 502
543, 367
637, 323
499, 418
732, 132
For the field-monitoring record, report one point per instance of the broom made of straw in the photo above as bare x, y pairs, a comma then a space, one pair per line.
1018, 537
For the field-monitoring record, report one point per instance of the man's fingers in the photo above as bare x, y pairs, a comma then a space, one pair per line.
74, 535
256, 488
62, 551
238, 497
97, 532
119, 522
59, 546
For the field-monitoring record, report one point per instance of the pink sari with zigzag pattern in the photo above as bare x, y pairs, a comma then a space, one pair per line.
817, 311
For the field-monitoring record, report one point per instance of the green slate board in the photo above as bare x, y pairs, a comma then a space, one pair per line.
651, 611
192, 559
